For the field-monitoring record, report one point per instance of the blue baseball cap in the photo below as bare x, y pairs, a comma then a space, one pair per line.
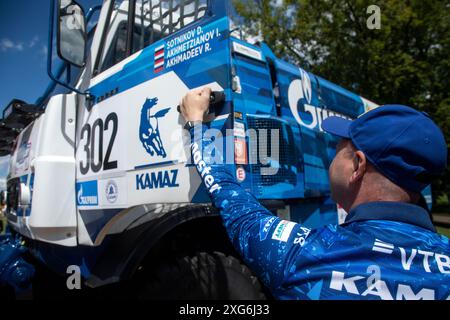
404, 144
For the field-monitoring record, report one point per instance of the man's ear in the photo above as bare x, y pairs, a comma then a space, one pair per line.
360, 164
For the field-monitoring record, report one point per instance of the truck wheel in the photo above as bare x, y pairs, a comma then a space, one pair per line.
203, 276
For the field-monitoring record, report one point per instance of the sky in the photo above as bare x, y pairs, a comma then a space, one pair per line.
23, 53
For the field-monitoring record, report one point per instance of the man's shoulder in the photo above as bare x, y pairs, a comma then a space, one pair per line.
369, 234
395, 231
409, 261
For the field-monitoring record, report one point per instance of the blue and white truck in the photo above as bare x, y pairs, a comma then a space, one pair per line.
100, 172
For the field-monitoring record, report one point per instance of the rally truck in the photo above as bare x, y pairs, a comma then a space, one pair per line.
101, 180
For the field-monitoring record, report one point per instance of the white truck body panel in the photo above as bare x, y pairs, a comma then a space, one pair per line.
53, 164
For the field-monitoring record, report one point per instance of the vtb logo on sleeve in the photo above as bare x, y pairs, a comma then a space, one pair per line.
149, 128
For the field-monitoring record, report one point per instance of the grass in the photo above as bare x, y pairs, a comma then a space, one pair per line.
444, 231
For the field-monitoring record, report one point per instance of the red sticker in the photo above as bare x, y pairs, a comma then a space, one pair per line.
240, 174
240, 151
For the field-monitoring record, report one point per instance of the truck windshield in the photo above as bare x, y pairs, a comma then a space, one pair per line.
153, 20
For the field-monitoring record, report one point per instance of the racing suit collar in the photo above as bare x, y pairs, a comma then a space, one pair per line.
394, 211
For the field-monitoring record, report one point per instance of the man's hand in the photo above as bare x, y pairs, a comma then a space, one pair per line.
195, 104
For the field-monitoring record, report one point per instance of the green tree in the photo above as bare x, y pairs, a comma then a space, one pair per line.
406, 61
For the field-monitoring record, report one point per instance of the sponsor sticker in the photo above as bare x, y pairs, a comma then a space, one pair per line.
283, 231
159, 59
240, 151
87, 193
112, 191
247, 51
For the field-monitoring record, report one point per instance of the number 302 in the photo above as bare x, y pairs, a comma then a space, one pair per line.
94, 138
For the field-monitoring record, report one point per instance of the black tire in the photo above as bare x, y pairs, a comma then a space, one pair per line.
204, 276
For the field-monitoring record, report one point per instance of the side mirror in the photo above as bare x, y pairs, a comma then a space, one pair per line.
71, 35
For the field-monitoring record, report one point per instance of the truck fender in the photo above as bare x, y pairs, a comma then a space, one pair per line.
129, 249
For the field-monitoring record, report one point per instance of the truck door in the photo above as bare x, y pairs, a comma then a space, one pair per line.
130, 148
272, 169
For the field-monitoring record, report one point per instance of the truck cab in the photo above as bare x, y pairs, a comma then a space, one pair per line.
101, 175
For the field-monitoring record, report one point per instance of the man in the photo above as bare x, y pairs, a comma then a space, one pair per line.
387, 248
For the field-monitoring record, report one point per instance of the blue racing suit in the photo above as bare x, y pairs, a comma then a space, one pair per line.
384, 250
